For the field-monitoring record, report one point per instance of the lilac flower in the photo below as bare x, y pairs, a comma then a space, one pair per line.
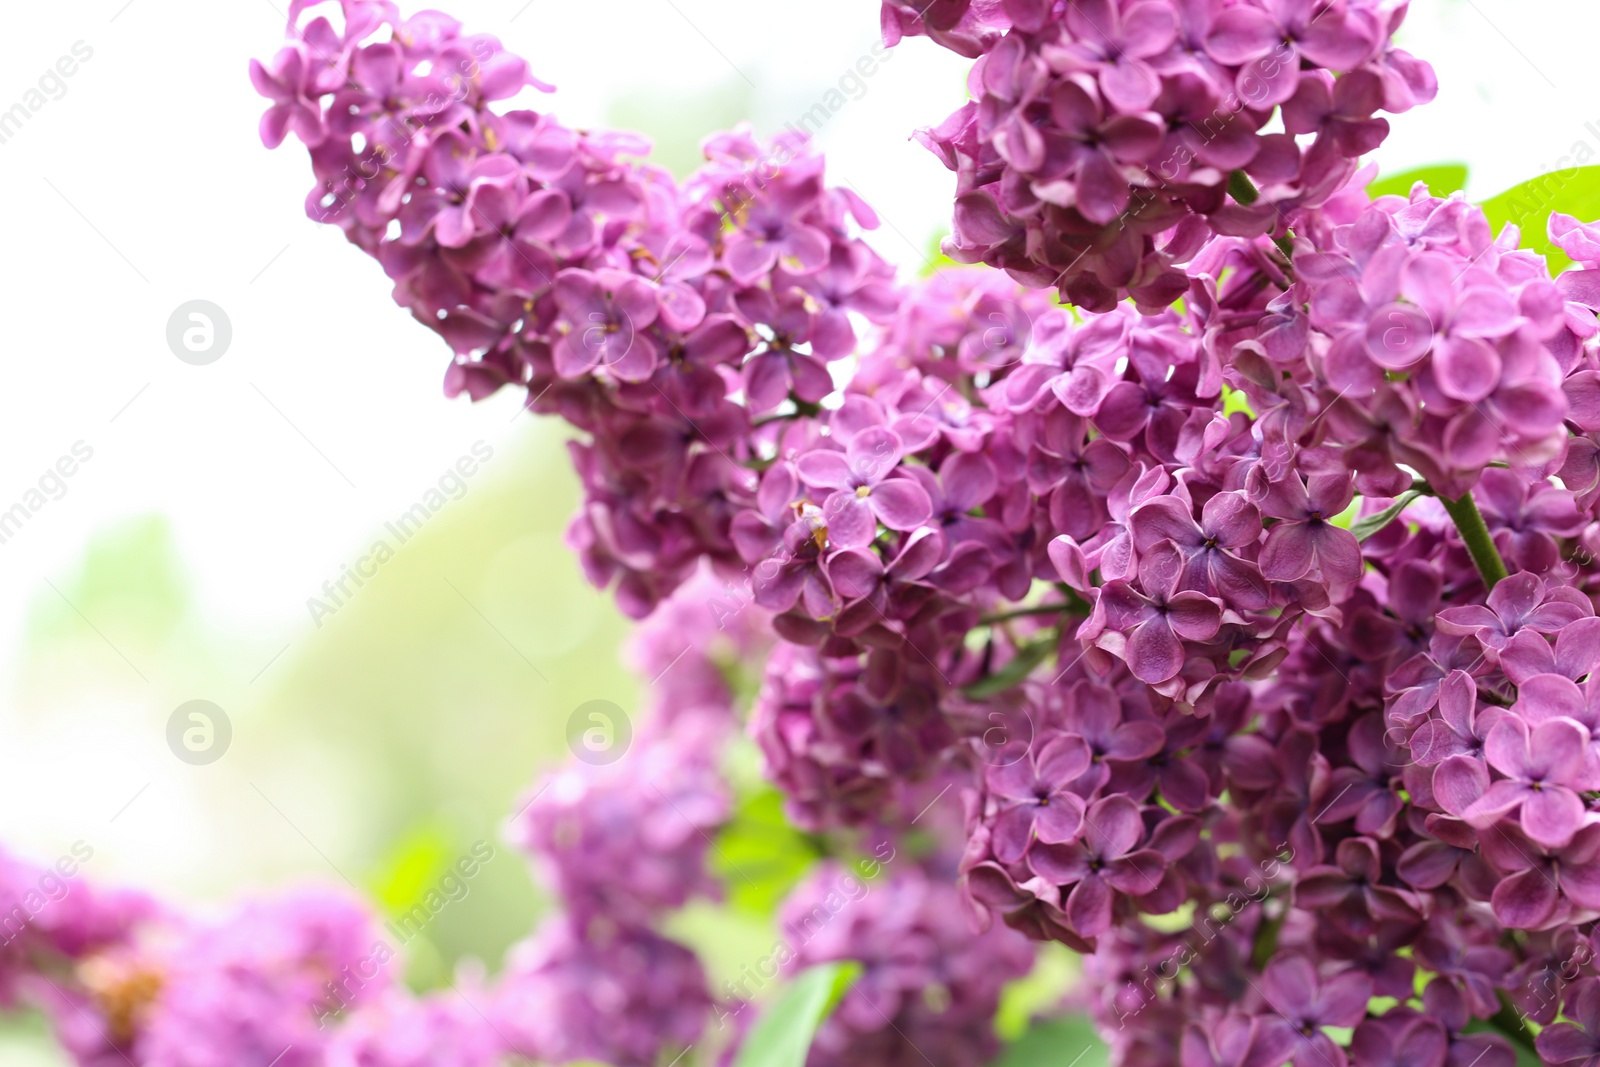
1575, 1044
260, 986
770, 233
796, 574
1353, 891
1033, 798
1096, 714
1366, 790
1236, 1041
606, 314
1033, 908
1340, 110
1537, 883
1526, 519
1152, 624
1460, 728
1212, 564
629, 839
1416, 1042
1474, 972
1575, 654
1100, 146
1305, 1004
1115, 41
1075, 471
1520, 602
772, 374
875, 591
294, 110
1249, 33
435, 1032
1543, 767
1107, 861
1547, 697
1306, 541
865, 491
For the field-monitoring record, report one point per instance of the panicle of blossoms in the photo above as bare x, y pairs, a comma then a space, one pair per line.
658, 319
963, 26
437, 1030
1095, 566
1412, 342
841, 737
627, 840
612, 993
1108, 140
51, 918
255, 987
928, 981
699, 647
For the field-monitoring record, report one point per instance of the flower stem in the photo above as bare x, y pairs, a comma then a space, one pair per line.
1475, 534
1073, 607
1266, 940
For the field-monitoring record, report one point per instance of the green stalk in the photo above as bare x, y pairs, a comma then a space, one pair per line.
1469, 522
1021, 613
1242, 189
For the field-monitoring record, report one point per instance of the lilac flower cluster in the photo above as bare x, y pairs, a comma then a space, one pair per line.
624, 844
620, 995
1150, 501
627, 841
926, 982
1108, 140
254, 987
305, 979
551, 261
1258, 636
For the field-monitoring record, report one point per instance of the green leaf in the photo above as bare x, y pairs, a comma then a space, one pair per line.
1067, 1041
1365, 527
781, 1037
411, 868
1573, 191
759, 857
1027, 658
1037, 993
1442, 180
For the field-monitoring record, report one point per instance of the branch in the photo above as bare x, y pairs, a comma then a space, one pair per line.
1475, 534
